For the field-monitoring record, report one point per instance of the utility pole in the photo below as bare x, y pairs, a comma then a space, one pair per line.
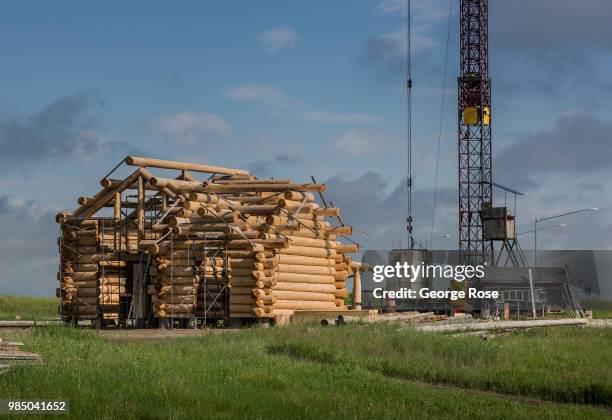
409, 127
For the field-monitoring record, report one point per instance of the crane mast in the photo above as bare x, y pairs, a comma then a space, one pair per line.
474, 134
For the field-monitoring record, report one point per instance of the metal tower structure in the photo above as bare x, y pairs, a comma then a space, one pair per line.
474, 119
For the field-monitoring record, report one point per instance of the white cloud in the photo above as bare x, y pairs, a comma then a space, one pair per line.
28, 209
357, 143
277, 38
189, 129
259, 93
336, 118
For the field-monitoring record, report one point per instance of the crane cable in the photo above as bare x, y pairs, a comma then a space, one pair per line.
445, 71
409, 128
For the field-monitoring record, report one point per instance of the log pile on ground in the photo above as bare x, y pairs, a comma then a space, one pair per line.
266, 241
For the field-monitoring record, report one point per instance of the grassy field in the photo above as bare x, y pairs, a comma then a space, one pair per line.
27, 307
359, 371
602, 309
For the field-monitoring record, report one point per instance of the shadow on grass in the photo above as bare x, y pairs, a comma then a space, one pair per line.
571, 393
305, 351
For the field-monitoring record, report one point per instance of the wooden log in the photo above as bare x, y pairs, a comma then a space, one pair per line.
213, 213
308, 242
86, 241
81, 284
176, 274
246, 282
302, 260
301, 212
243, 300
177, 185
347, 249
112, 264
203, 198
256, 209
217, 207
305, 287
341, 267
91, 210
62, 216
258, 312
114, 281
250, 282
112, 289
88, 201
341, 230
175, 315
285, 221
86, 258
307, 252
243, 290
84, 275
168, 307
246, 272
174, 299
180, 257
304, 296
341, 293
306, 269
252, 181
81, 268
304, 278
303, 305
341, 275
86, 301
251, 301
220, 188
87, 292
179, 289
264, 243
178, 264
259, 293
168, 164
240, 308
229, 217
167, 280
84, 309
298, 196
291, 204
328, 211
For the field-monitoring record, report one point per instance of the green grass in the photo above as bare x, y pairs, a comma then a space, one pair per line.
602, 314
602, 309
362, 371
566, 364
28, 308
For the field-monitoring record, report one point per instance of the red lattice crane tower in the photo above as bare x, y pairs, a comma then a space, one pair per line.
475, 189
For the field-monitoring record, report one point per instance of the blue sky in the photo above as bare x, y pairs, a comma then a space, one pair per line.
294, 89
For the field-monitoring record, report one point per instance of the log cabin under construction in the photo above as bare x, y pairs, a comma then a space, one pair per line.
152, 251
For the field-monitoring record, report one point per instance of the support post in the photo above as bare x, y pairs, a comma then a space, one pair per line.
357, 290
532, 292
117, 220
535, 243
117, 207
164, 202
141, 208
506, 311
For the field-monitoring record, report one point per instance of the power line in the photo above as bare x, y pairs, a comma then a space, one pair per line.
440, 128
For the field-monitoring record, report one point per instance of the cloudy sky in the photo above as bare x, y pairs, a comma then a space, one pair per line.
294, 89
